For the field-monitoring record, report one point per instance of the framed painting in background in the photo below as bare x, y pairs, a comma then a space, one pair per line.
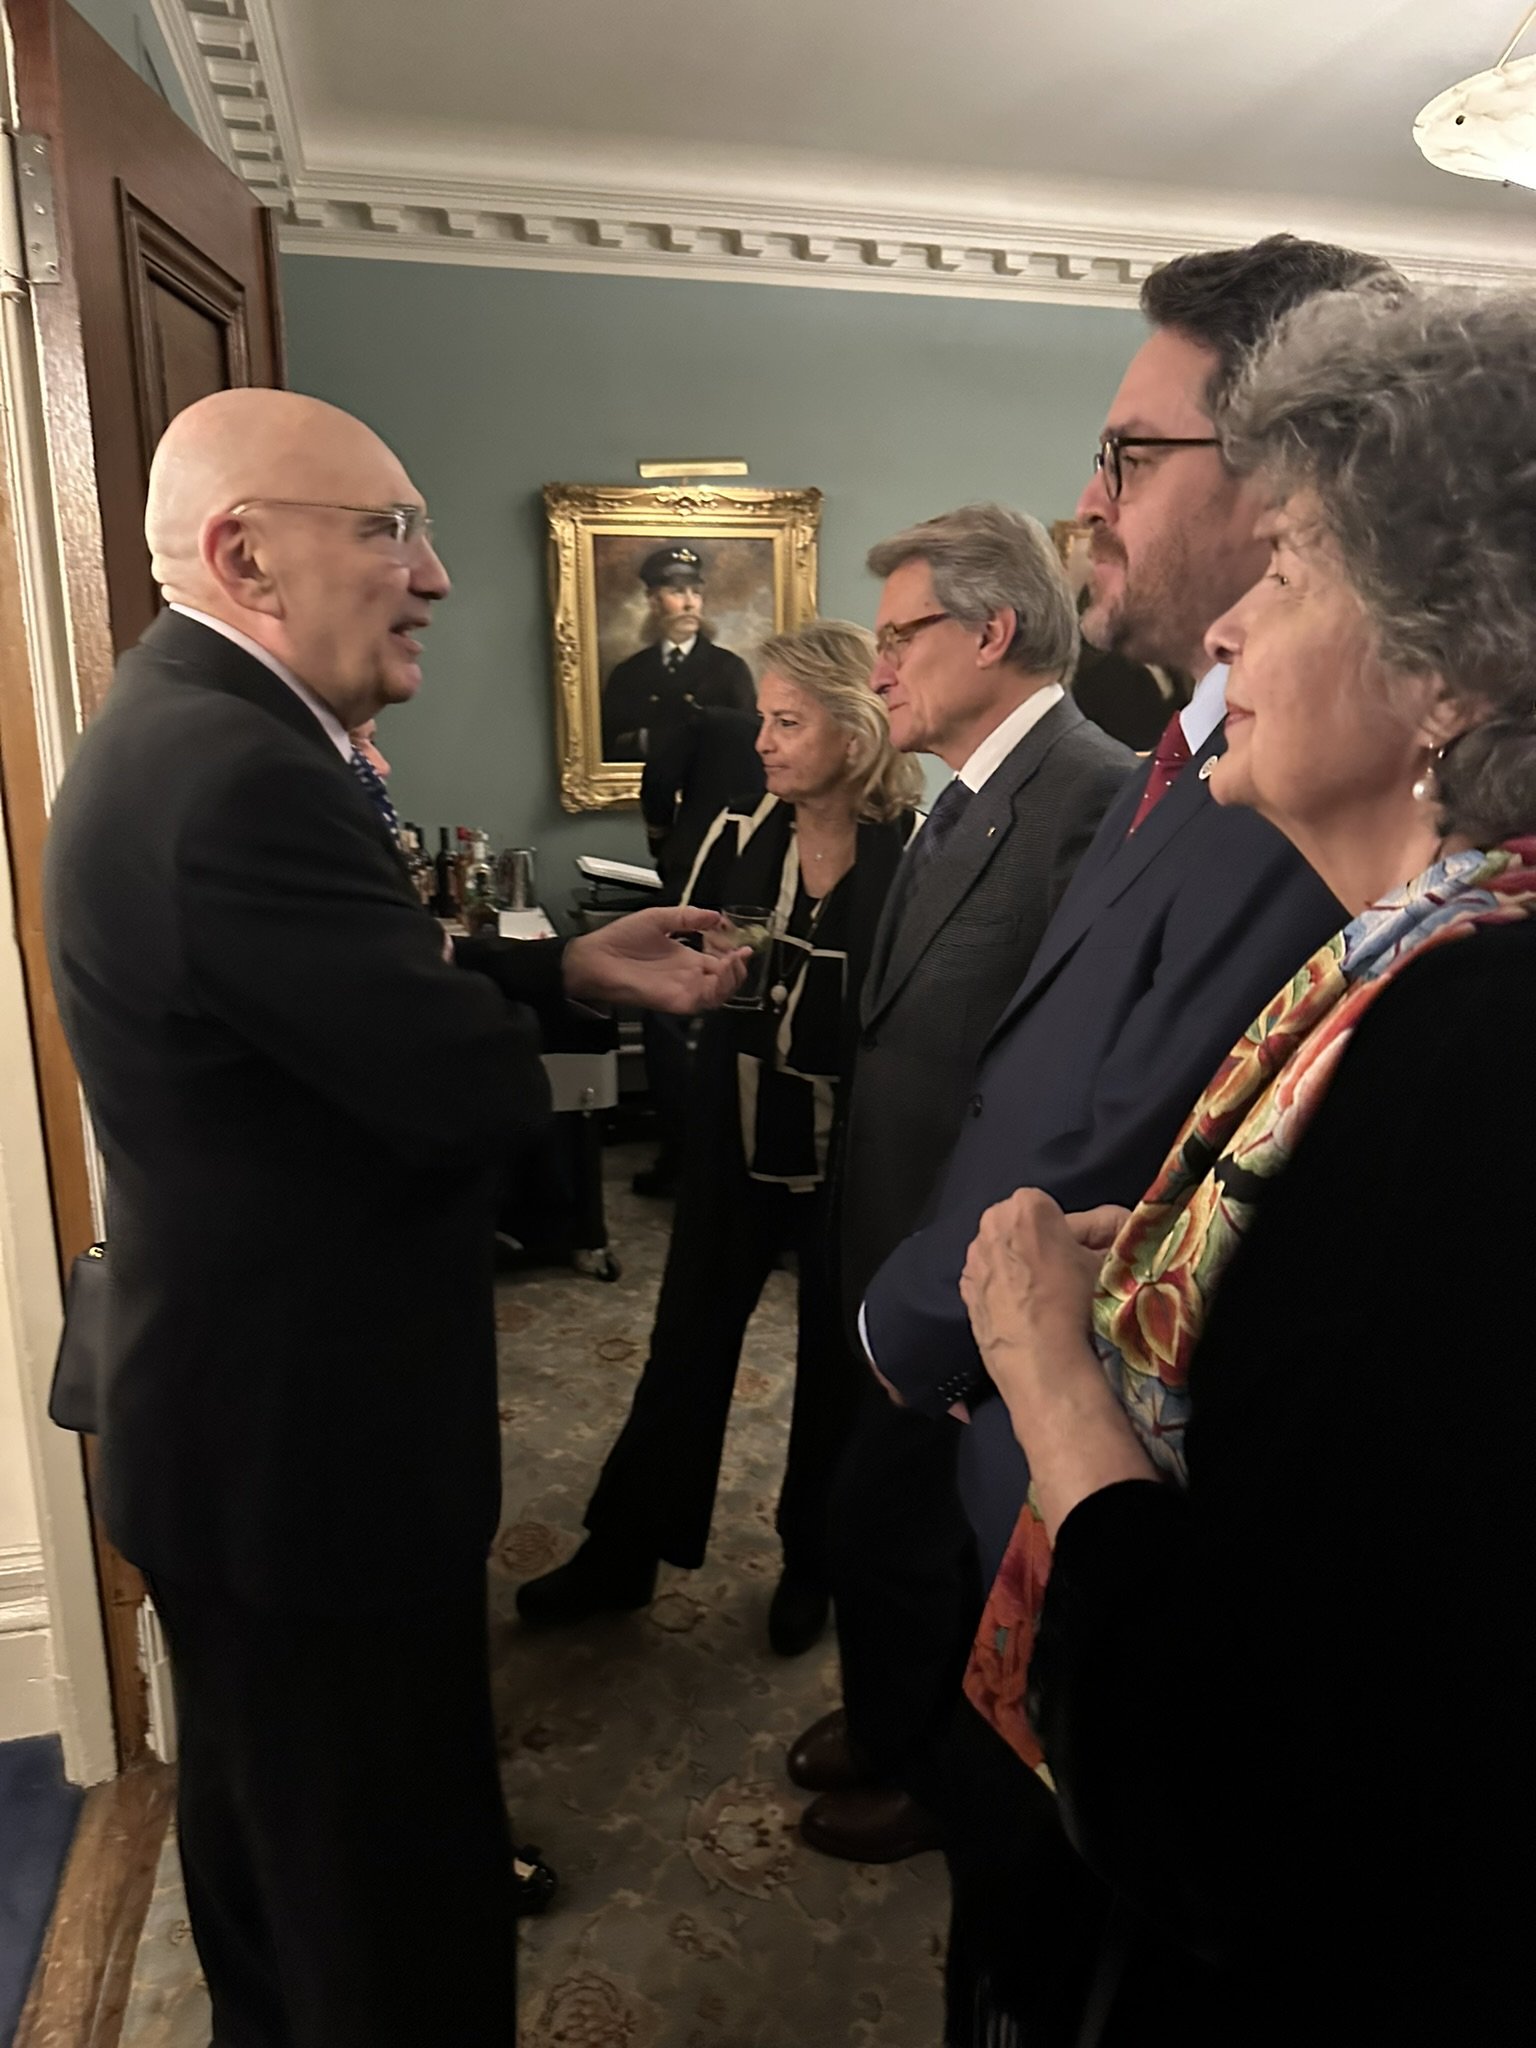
1071, 537
635, 573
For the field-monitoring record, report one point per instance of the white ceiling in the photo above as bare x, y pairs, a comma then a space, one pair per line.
1144, 123
1313, 97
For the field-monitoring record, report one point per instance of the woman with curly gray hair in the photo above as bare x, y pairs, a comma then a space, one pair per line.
1264, 1619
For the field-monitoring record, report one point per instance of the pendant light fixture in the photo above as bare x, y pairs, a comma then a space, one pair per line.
1485, 127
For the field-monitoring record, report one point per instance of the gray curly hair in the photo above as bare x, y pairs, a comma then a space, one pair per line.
1413, 423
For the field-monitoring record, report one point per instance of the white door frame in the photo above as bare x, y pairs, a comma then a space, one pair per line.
29, 1283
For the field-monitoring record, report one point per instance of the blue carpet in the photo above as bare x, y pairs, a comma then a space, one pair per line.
38, 1811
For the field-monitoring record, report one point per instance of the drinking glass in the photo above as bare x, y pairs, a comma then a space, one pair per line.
750, 925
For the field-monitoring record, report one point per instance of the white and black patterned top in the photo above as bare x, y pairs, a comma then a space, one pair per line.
793, 1055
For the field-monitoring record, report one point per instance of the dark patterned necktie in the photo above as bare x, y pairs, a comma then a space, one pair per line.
378, 795
674, 659
946, 814
1171, 757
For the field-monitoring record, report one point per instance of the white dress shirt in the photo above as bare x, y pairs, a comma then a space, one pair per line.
332, 726
684, 647
1206, 708
1001, 741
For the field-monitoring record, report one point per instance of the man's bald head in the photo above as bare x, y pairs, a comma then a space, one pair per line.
280, 516
239, 446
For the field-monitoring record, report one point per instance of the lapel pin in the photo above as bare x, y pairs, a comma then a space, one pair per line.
991, 830
1206, 766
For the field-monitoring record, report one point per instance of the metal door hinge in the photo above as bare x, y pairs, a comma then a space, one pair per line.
33, 159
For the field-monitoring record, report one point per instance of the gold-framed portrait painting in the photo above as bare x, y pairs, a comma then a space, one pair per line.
661, 598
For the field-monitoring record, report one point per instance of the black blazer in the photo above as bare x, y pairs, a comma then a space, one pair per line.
947, 954
1122, 696
1328, 1632
299, 1103
643, 700
1164, 949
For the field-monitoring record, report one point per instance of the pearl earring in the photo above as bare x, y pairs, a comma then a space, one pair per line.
1426, 789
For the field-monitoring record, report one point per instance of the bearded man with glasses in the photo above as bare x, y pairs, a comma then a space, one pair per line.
1181, 921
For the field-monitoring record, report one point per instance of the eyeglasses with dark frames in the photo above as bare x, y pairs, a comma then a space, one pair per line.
892, 642
408, 523
1112, 446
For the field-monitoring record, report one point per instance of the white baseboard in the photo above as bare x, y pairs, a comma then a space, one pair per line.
28, 1703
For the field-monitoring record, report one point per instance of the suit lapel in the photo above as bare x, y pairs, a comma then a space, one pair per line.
1127, 858
916, 911
219, 664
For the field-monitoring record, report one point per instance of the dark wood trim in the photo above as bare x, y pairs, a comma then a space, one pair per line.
72, 451
66, 396
80, 1986
26, 828
153, 253
272, 261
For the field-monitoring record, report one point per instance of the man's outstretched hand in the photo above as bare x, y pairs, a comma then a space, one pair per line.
637, 960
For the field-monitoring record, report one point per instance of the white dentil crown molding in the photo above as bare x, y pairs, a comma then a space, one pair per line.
1079, 245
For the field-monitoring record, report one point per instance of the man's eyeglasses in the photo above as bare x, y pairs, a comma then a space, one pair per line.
1112, 446
892, 642
405, 524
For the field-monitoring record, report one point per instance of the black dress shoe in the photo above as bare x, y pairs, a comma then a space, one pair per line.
870, 1824
797, 1613
824, 1760
534, 1884
602, 1578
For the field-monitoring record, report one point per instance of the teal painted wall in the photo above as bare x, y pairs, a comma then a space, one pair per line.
492, 383
130, 27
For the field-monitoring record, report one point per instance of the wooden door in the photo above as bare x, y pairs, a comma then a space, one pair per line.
165, 289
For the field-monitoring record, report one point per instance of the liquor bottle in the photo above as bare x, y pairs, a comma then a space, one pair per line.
418, 862
480, 885
445, 900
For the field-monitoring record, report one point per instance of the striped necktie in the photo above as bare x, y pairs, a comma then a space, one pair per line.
378, 795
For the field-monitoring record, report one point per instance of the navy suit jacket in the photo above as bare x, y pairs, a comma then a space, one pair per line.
1163, 950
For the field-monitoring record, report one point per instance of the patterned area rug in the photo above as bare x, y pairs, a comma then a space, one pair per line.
645, 1753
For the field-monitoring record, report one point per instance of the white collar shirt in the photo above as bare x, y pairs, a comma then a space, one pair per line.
1206, 708
1001, 741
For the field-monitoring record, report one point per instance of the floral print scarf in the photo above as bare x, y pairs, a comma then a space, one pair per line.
1162, 1270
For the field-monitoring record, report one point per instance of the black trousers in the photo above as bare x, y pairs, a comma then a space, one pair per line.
667, 1062
906, 1586
345, 1847
657, 1489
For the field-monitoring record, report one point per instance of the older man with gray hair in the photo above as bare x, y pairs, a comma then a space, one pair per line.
976, 634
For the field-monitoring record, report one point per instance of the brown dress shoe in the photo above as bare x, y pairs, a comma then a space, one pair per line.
870, 1824
824, 1760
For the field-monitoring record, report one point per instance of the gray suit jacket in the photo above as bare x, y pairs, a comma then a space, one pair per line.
949, 951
